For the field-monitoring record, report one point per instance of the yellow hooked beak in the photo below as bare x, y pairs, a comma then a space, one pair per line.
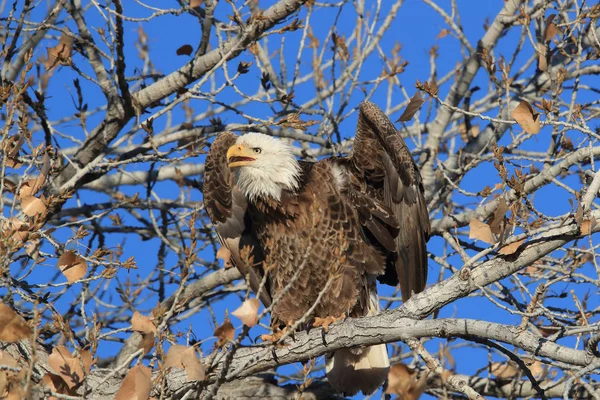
238, 156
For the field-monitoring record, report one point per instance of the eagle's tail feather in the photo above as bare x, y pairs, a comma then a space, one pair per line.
351, 370
365, 368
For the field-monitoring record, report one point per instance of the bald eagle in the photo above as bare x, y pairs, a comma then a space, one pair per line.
312, 238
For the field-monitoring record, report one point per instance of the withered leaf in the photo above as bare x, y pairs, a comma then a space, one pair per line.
7, 359
186, 358
72, 266
147, 342
472, 133
413, 106
185, 50
481, 231
196, 3
511, 248
57, 385
15, 229
174, 356
443, 33
403, 382
532, 270
504, 370
59, 54
41, 179
587, 226
32, 206
224, 254
496, 224
28, 188
8, 390
12, 326
146, 327
224, 333
579, 215
136, 385
551, 28
527, 119
542, 52
248, 312
141, 323
71, 368
538, 370
548, 330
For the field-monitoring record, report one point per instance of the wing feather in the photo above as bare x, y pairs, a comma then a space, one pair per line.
382, 161
226, 206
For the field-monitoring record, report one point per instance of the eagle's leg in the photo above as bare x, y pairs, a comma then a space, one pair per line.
325, 322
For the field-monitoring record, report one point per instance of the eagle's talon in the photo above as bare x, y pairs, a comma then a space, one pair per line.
325, 322
276, 335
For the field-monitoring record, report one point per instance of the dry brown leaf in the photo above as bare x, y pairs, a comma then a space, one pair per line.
12, 326
511, 248
224, 333
33, 185
13, 163
59, 54
28, 188
16, 229
147, 342
504, 370
588, 225
7, 359
136, 385
173, 359
551, 28
248, 312
499, 214
185, 357
8, 388
224, 254
532, 270
57, 385
473, 132
542, 60
32, 206
12, 145
146, 327
72, 368
481, 231
33, 249
191, 363
185, 50
443, 33
527, 119
196, 3
403, 382
72, 266
17, 392
413, 106
189, 143
538, 370
143, 324
549, 330
41, 179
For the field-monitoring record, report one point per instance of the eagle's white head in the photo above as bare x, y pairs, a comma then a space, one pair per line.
264, 166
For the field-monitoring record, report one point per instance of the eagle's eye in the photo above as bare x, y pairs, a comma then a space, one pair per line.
257, 150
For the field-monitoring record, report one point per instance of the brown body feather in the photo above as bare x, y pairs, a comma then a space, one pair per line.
352, 220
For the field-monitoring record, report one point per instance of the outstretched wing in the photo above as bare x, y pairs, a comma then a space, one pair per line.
226, 207
384, 169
